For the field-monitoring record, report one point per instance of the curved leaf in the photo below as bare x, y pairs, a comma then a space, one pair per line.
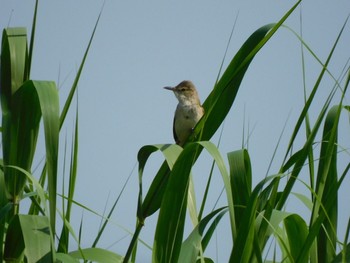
297, 232
170, 225
190, 247
156, 190
97, 255
49, 104
31, 234
169, 231
241, 181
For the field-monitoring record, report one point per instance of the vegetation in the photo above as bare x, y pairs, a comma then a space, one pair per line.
257, 214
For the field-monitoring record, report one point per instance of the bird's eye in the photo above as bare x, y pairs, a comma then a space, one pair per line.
182, 89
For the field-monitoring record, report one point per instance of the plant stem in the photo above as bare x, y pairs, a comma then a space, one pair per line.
133, 242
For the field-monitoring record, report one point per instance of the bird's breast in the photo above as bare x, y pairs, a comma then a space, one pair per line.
186, 118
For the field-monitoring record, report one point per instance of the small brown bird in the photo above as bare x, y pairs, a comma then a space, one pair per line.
188, 111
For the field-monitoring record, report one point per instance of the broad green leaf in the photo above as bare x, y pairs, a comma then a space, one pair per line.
246, 242
36, 99
14, 72
169, 231
219, 161
49, 105
297, 232
241, 181
157, 188
66, 258
13, 68
206, 260
22, 131
14, 243
4, 203
274, 220
97, 255
31, 234
208, 235
191, 246
191, 202
304, 199
39, 189
171, 220
327, 179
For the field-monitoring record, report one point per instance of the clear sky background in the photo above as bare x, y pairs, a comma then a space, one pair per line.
142, 46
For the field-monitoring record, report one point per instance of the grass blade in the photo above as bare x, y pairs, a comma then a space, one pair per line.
13, 68
32, 37
49, 104
77, 77
33, 233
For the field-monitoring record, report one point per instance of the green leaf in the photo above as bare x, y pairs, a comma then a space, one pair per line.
241, 181
297, 232
245, 245
5, 205
49, 105
96, 255
343, 256
326, 184
22, 126
191, 246
66, 258
155, 193
77, 77
169, 230
29, 234
14, 59
304, 153
63, 244
32, 37
14, 244
13, 72
220, 100
274, 220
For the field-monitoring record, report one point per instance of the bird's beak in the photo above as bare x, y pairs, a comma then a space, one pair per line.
169, 88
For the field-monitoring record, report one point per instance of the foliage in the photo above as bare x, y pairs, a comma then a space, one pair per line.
257, 214
24, 102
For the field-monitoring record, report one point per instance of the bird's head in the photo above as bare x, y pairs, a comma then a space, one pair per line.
185, 92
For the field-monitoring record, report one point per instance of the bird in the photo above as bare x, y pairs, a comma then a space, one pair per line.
188, 111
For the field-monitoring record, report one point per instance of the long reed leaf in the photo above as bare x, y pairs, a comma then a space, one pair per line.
241, 181
49, 104
33, 238
64, 238
191, 246
297, 232
14, 59
169, 231
308, 144
326, 180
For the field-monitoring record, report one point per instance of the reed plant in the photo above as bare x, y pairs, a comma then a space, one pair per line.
257, 213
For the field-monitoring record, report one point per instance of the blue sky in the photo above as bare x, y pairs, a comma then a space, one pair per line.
140, 47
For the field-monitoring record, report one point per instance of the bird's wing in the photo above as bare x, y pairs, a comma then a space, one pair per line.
174, 132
